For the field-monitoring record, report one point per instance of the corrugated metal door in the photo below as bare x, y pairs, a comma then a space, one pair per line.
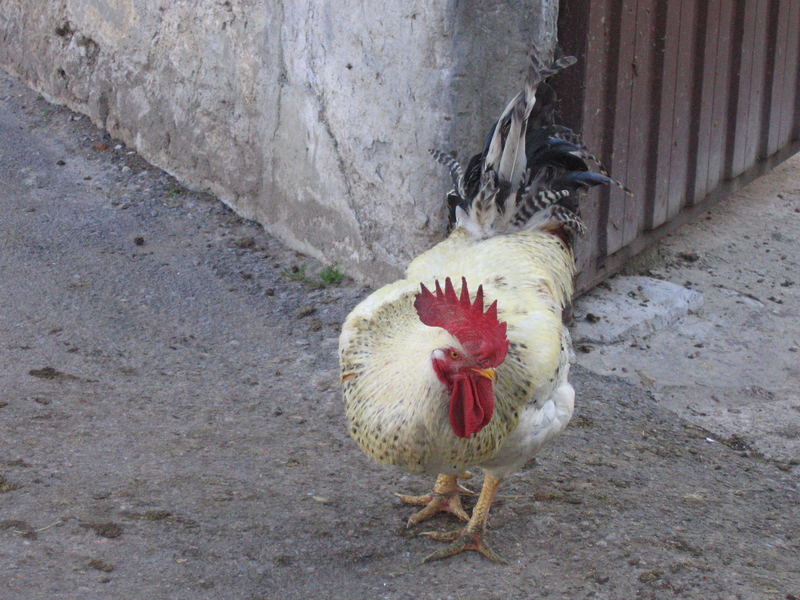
684, 100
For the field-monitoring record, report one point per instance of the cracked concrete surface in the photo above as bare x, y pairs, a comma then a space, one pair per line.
624, 308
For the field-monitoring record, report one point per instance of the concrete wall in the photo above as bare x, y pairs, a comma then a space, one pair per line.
311, 116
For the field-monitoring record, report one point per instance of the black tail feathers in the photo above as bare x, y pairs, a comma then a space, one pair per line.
531, 172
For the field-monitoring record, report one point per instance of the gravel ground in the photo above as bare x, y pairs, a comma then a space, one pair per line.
171, 425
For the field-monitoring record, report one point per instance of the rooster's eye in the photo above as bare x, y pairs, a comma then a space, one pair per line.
454, 355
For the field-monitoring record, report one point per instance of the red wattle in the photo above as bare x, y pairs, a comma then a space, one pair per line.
471, 404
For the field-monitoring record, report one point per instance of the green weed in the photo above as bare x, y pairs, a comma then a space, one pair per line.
330, 275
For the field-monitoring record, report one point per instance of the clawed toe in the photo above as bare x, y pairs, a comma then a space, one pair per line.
434, 503
462, 540
445, 497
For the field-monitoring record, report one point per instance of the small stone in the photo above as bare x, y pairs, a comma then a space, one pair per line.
269, 292
246, 242
100, 565
138, 240
156, 515
6, 485
304, 311
46, 373
60, 163
650, 576
582, 421
106, 530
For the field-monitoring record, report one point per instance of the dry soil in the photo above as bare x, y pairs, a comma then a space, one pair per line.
171, 425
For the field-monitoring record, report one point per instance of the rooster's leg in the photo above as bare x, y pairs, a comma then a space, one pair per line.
471, 537
445, 497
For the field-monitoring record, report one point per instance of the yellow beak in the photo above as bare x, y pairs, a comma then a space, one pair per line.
488, 373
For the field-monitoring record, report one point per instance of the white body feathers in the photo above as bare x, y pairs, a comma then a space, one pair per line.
514, 209
397, 408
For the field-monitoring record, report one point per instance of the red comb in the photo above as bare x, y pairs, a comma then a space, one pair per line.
481, 334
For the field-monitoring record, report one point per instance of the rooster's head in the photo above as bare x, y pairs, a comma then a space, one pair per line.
466, 370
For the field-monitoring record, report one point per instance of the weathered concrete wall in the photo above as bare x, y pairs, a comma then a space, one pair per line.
312, 116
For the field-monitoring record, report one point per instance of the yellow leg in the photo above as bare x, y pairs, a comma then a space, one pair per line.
471, 536
446, 497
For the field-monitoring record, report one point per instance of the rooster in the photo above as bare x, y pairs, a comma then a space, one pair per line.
438, 379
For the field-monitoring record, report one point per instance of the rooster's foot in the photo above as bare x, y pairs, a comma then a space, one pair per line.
445, 497
464, 539
471, 537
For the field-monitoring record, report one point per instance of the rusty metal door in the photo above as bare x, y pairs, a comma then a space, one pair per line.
684, 100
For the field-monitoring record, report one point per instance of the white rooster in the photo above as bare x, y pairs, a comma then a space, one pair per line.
435, 382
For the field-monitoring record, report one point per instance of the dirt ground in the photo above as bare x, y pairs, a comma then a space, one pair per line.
171, 425
733, 366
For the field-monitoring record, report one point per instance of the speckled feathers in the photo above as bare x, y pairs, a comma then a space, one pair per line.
396, 407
